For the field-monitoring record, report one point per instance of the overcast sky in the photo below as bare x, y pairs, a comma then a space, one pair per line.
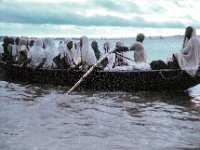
97, 18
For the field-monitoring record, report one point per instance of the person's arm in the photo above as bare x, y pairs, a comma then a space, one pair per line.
121, 49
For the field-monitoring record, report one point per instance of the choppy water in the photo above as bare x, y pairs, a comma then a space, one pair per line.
44, 118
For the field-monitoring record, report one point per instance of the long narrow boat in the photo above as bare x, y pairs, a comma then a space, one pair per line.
102, 80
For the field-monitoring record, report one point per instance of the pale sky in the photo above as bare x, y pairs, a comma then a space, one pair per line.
97, 18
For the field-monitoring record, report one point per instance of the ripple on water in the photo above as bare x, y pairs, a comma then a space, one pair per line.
45, 118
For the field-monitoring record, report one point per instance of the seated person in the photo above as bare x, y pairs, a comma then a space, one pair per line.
88, 58
49, 50
188, 58
119, 59
95, 47
7, 49
22, 51
36, 56
138, 48
111, 58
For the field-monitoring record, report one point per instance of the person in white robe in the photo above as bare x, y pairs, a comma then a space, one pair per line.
22, 51
15, 48
36, 54
88, 57
111, 58
50, 52
189, 57
70, 53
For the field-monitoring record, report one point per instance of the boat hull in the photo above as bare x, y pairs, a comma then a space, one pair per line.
154, 80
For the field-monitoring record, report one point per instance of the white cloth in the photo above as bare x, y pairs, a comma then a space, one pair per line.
36, 53
15, 50
111, 57
1, 49
61, 50
76, 52
135, 66
88, 57
50, 52
189, 57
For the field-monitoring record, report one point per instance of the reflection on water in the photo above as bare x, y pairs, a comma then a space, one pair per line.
41, 118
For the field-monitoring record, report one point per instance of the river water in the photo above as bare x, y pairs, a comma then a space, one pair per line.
45, 118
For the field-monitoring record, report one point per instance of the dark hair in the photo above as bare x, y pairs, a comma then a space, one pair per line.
140, 37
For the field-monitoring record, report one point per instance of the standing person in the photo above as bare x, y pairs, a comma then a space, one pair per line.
188, 58
95, 47
88, 58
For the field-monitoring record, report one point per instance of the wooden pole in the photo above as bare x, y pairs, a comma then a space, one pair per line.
89, 71
124, 56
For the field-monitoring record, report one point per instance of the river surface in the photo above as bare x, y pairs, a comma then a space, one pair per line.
45, 118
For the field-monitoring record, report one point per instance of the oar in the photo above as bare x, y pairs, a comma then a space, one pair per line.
124, 56
89, 71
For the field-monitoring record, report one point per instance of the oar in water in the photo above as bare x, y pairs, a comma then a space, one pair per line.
124, 56
89, 71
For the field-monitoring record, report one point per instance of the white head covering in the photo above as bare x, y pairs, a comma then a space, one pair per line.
194, 33
87, 54
189, 57
36, 53
107, 47
63, 51
22, 45
50, 51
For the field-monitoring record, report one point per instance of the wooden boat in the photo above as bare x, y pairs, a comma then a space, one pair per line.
102, 80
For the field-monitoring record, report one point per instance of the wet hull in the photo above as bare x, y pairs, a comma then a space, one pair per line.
154, 80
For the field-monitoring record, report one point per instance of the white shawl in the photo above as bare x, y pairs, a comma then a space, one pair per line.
50, 51
36, 53
189, 57
87, 54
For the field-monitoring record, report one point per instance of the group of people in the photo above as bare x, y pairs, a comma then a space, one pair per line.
39, 52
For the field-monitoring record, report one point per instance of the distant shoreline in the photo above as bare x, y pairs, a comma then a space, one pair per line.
104, 38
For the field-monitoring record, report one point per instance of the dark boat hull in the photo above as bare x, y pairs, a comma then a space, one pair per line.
155, 80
